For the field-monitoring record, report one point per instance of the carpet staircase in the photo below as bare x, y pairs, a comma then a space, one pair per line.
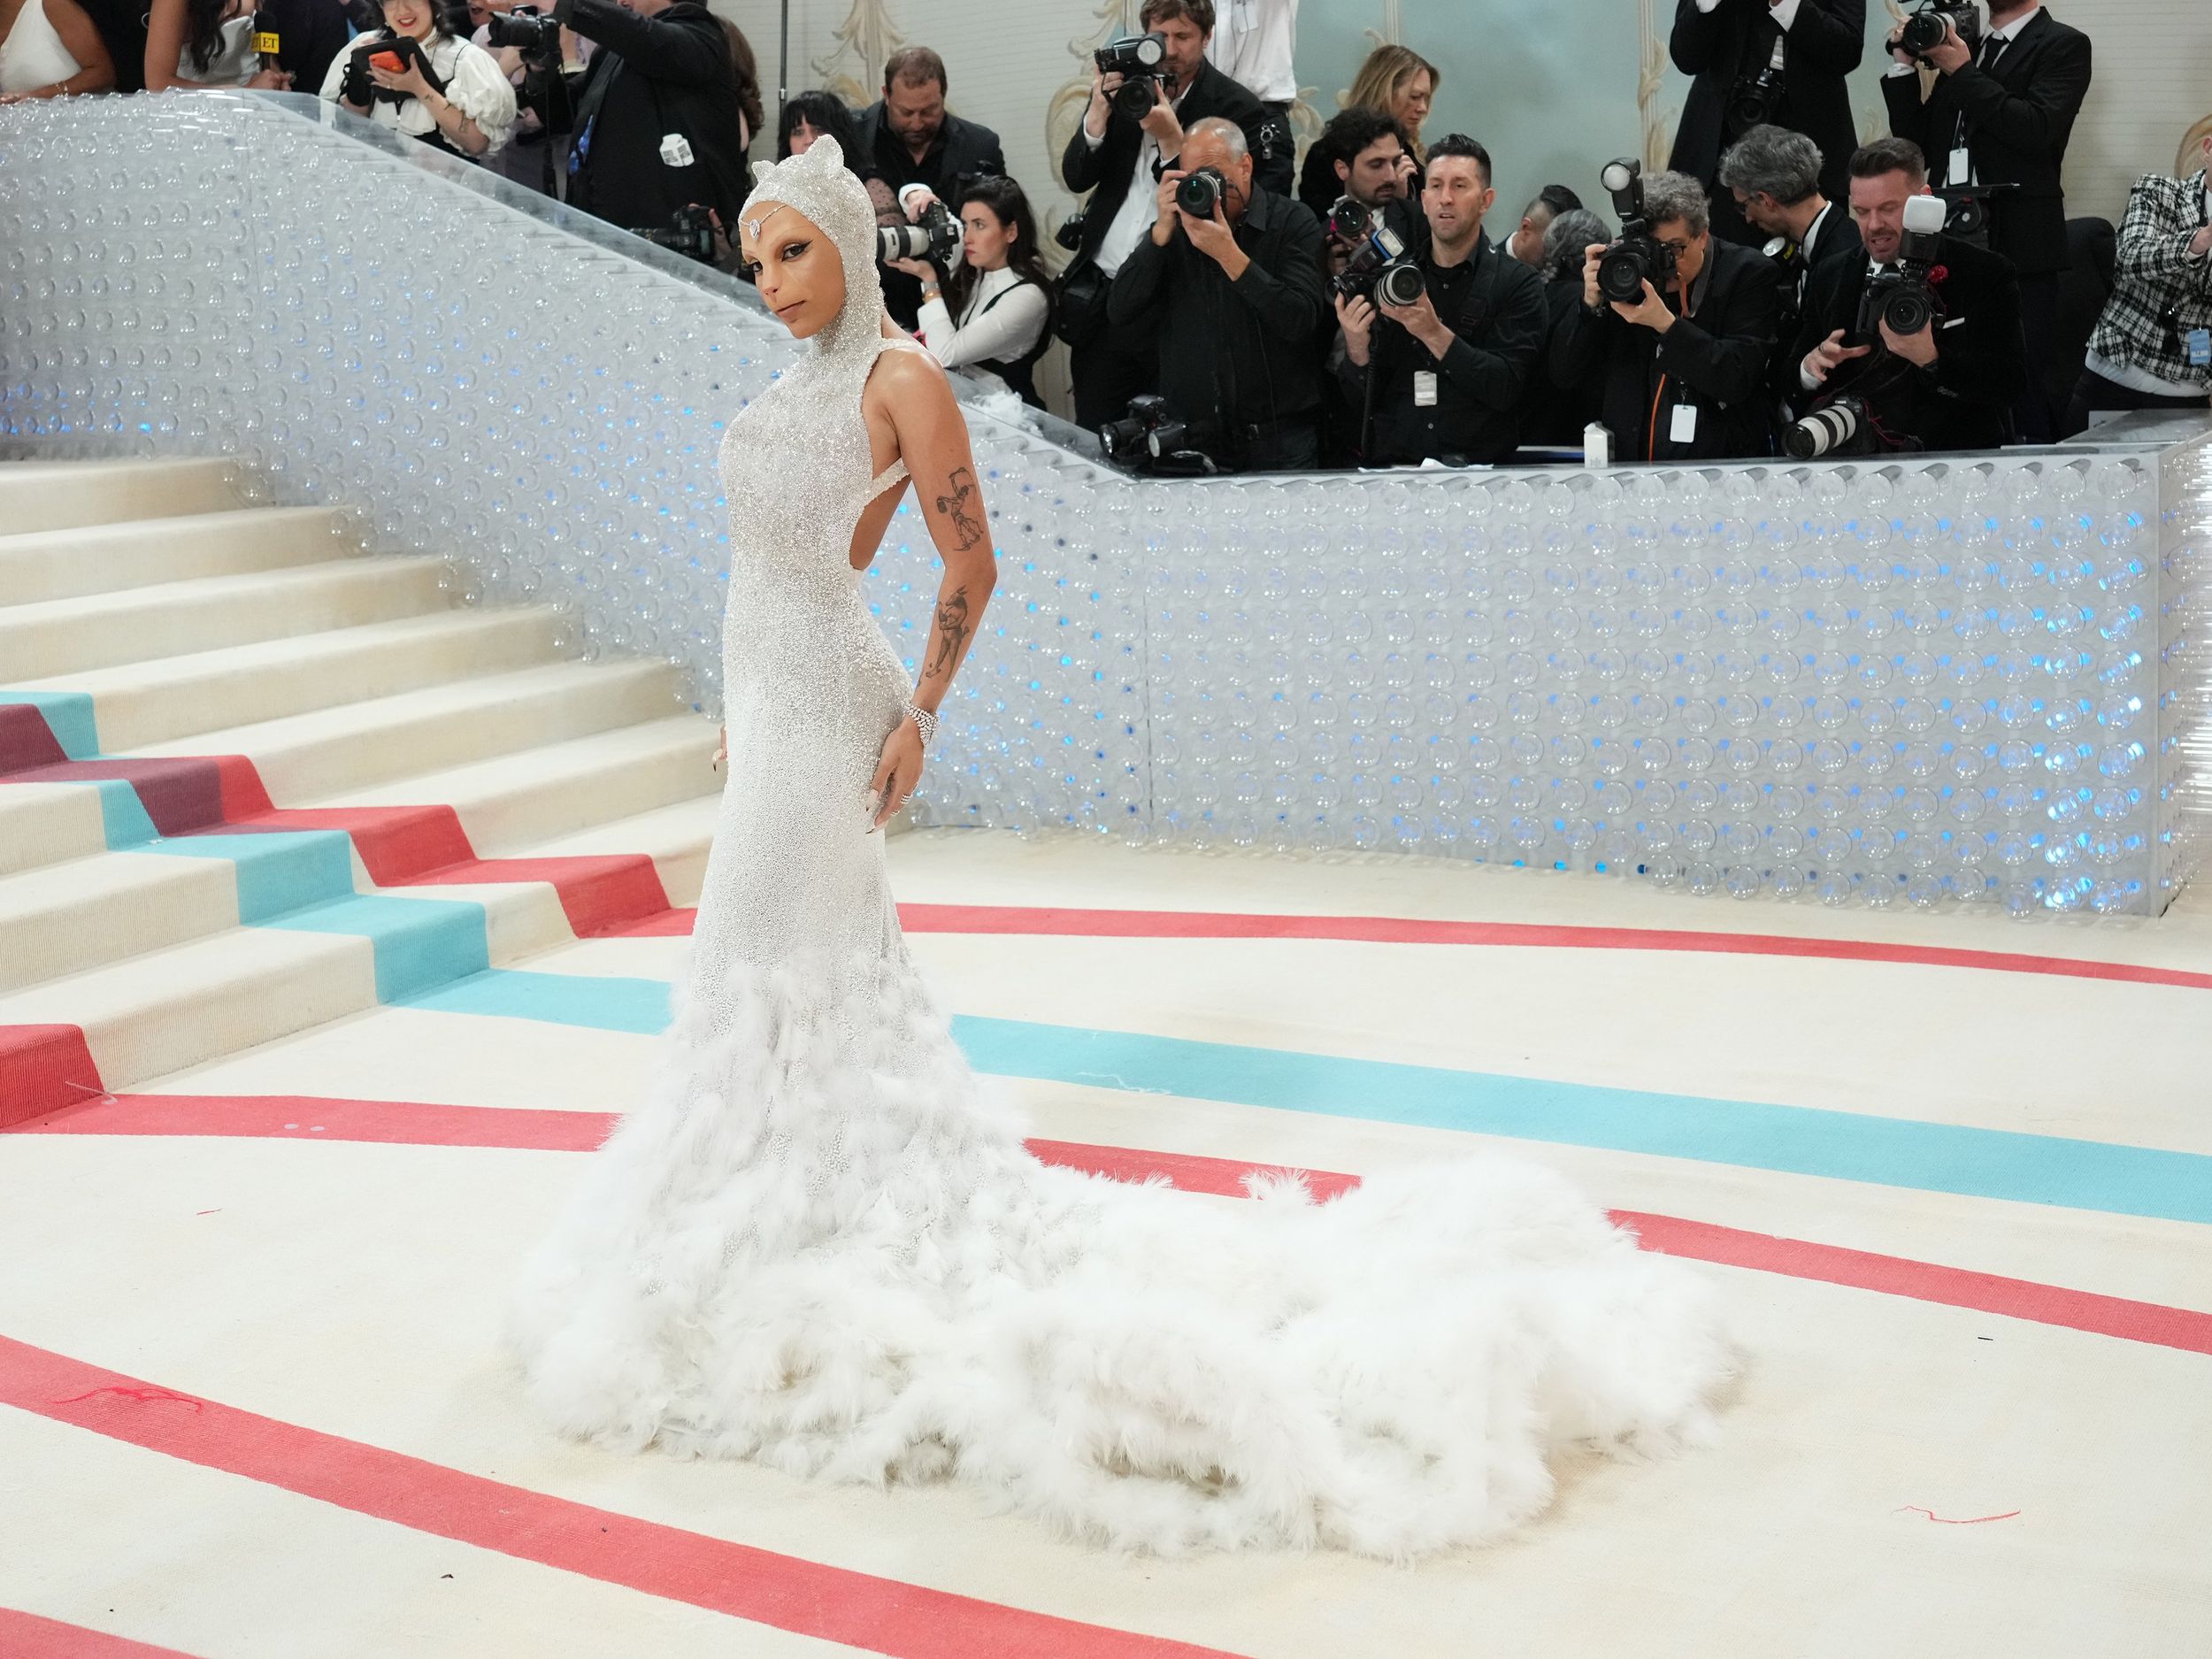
252, 780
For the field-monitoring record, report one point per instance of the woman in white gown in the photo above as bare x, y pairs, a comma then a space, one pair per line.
815, 1244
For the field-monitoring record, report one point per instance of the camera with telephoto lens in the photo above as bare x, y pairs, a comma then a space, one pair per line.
1141, 59
1902, 295
689, 232
1379, 270
1636, 256
530, 32
1349, 221
1838, 427
1150, 439
1923, 30
936, 236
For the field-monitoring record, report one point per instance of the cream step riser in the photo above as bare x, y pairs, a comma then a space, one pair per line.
504, 824
316, 768
164, 702
153, 623
37, 495
104, 558
44, 824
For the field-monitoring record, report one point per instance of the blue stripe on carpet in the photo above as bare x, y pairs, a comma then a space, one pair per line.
419, 944
278, 871
1794, 1140
69, 716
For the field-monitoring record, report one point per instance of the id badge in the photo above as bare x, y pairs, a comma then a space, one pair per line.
1424, 389
1684, 427
2199, 346
1960, 170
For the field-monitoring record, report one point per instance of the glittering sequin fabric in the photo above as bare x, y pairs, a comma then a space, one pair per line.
817, 1244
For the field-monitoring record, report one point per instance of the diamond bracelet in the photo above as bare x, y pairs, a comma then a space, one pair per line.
925, 722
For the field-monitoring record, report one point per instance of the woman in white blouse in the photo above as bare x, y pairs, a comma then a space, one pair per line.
471, 116
992, 322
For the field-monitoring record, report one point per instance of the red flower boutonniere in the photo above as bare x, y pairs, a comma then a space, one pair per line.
1938, 275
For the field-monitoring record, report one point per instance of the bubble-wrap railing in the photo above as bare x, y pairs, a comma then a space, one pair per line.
1964, 679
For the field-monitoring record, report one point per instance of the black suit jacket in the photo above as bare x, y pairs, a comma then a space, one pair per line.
2019, 114
1105, 172
965, 147
1822, 45
1715, 361
1839, 238
1964, 399
666, 74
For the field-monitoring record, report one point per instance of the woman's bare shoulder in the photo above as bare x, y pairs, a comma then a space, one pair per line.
907, 376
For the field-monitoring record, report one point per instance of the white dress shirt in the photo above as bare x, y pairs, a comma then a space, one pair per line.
986, 332
1784, 14
1253, 42
1134, 222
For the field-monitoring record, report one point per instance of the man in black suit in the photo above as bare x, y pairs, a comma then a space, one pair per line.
1952, 384
1120, 160
662, 68
1997, 118
1775, 177
908, 138
1679, 374
1776, 62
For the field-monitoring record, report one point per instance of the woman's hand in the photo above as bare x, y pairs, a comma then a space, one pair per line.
408, 79
920, 269
271, 81
721, 752
896, 773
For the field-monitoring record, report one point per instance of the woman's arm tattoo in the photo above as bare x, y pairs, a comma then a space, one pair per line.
962, 508
953, 628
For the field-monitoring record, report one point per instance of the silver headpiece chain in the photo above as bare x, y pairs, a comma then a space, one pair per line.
820, 186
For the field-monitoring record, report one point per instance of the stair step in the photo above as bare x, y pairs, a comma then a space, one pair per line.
79, 914
517, 802
62, 495
68, 636
172, 697
43, 824
170, 1009
103, 558
392, 740
676, 838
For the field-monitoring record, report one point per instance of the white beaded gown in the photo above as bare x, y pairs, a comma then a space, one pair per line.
816, 1245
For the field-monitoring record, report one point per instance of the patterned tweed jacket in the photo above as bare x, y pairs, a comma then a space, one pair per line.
2159, 293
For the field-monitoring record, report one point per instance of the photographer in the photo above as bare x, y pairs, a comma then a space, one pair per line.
1372, 168
1775, 177
1444, 378
657, 113
1233, 299
446, 91
908, 138
1119, 158
1949, 384
1996, 119
1526, 243
2152, 348
1779, 63
1555, 416
1680, 371
992, 322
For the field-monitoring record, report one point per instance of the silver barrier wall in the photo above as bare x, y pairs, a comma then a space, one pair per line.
1920, 682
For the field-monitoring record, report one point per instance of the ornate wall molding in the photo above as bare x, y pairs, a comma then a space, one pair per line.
868, 35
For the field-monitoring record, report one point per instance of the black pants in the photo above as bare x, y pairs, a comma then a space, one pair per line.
1117, 363
2041, 409
2095, 392
1289, 445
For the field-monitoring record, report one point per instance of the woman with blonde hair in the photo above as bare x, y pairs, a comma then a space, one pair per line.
1402, 83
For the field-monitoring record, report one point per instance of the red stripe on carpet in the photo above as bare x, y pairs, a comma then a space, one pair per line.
1006, 918
28, 1636
668, 924
179, 795
42, 1068
831, 1603
26, 739
308, 1117
1058, 921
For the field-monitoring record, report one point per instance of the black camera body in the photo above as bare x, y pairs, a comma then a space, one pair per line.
1757, 94
1902, 295
1636, 256
359, 90
936, 236
535, 35
1378, 270
1202, 192
689, 232
1150, 439
1140, 60
1923, 30
1349, 222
